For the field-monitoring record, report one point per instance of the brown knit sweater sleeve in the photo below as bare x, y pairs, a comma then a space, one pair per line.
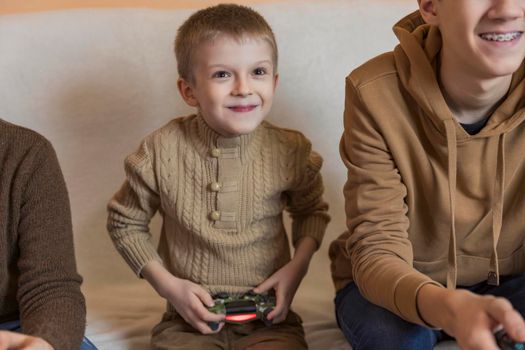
305, 204
51, 304
132, 207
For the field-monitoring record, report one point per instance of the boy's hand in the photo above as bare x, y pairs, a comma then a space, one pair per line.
468, 317
189, 299
286, 280
18, 341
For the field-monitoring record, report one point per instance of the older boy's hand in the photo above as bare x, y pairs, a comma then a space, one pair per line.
468, 317
287, 279
188, 298
18, 341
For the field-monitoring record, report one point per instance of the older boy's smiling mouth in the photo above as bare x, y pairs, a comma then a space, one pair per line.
501, 37
242, 108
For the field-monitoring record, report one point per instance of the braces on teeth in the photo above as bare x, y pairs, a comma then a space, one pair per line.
500, 37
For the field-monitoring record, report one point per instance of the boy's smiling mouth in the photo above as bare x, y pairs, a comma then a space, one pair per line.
501, 37
242, 108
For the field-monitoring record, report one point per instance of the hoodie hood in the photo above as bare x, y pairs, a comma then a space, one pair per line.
416, 60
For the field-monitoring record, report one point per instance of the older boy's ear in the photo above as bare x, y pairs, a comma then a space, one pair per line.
428, 10
186, 92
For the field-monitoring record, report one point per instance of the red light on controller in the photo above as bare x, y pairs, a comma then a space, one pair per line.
241, 318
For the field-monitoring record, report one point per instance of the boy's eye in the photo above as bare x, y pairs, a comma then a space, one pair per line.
221, 74
259, 71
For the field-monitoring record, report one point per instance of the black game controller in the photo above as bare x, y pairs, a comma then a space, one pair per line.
506, 343
242, 309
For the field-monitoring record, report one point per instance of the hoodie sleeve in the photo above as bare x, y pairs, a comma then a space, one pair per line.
378, 247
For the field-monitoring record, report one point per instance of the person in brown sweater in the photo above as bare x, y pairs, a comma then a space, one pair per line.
221, 179
433, 142
41, 306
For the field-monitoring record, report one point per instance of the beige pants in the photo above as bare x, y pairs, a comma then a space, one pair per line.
173, 333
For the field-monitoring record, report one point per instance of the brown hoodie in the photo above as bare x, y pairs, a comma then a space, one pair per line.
425, 201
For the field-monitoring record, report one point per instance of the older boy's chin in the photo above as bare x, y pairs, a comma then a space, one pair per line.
503, 66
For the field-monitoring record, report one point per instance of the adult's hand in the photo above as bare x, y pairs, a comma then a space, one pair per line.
18, 341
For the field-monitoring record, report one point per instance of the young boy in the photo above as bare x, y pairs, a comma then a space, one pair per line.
221, 180
434, 141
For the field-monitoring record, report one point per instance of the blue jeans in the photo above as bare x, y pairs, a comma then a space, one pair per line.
368, 326
14, 326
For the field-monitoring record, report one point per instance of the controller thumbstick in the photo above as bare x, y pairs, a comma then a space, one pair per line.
213, 326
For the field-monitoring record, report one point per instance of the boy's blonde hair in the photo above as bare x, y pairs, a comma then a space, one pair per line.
236, 21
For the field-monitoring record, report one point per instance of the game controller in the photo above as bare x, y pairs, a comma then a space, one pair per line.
242, 309
506, 343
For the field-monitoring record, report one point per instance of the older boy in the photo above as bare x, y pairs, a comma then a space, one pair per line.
434, 141
221, 179
41, 306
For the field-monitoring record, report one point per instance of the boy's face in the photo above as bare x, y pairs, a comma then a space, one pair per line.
233, 84
485, 36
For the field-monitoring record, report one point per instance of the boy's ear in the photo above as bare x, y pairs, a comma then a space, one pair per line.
186, 92
275, 81
428, 10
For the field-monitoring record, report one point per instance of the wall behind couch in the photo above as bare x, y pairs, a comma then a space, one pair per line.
9, 6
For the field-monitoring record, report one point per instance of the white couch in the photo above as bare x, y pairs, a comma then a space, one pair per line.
95, 81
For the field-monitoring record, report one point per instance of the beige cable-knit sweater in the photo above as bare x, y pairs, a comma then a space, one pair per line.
221, 200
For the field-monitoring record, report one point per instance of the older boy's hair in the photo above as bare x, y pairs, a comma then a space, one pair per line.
236, 21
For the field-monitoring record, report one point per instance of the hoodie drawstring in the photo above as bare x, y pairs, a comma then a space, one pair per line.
452, 269
497, 212
497, 206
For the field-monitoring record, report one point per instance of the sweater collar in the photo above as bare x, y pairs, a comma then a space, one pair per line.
207, 140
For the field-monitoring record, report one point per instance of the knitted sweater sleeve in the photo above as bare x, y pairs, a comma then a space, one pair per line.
132, 207
51, 304
305, 204
380, 252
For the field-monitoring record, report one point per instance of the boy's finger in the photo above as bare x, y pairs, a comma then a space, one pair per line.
502, 311
202, 313
204, 296
514, 325
212, 317
279, 306
483, 340
273, 314
279, 318
264, 287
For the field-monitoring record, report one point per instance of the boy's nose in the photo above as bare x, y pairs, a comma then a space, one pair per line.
241, 88
507, 10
